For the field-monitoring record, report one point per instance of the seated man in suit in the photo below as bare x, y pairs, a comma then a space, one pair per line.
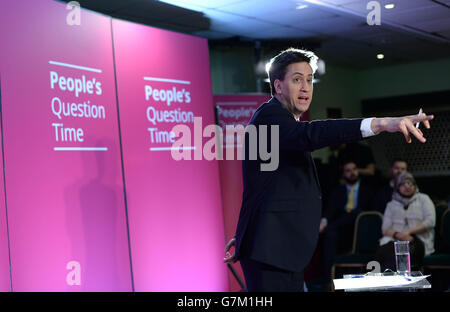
384, 194
345, 203
362, 156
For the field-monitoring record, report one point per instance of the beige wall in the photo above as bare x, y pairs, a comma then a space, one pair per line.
418, 77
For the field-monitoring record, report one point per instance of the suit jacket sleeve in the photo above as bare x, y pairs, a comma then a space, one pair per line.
333, 201
365, 198
309, 136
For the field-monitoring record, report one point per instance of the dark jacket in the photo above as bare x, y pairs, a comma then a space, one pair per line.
281, 210
383, 196
335, 207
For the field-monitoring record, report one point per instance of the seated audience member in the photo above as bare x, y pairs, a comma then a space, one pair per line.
343, 206
409, 216
362, 156
384, 194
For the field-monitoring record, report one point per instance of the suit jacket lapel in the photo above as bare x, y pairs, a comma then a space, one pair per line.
316, 176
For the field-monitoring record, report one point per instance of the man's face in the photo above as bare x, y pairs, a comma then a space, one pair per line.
397, 168
296, 89
350, 173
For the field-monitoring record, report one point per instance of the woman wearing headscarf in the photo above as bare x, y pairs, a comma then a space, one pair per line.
409, 216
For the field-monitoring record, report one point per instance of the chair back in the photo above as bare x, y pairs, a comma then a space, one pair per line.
445, 231
439, 240
440, 209
367, 232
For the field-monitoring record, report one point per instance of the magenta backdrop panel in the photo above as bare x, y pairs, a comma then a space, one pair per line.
174, 207
234, 109
64, 182
5, 278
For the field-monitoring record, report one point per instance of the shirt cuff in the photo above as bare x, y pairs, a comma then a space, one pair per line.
366, 131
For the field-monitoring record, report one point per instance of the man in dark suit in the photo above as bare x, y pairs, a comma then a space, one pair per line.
279, 220
343, 206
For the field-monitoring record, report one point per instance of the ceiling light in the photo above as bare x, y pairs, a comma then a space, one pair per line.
380, 56
267, 66
301, 6
389, 6
314, 1
321, 67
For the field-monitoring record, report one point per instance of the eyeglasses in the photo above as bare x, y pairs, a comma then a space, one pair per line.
407, 183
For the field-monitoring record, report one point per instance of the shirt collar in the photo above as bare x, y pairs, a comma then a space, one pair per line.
281, 104
355, 186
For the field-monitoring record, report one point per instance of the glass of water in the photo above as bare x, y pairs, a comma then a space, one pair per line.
402, 257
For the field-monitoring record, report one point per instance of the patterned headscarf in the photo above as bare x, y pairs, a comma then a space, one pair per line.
397, 196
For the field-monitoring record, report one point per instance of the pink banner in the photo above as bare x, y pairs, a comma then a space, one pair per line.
174, 206
5, 278
234, 109
65, 196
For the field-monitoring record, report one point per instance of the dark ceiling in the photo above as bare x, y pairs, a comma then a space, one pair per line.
414, 30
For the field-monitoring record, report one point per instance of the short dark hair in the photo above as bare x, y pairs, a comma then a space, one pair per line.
344, 162
398, 159
279, 64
